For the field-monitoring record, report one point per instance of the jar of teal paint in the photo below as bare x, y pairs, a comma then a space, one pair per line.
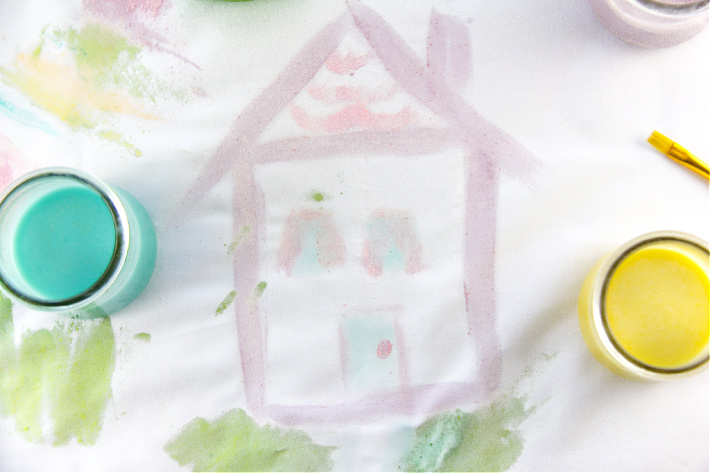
71, 243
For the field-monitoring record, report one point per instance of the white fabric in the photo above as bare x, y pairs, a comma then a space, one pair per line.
546, 73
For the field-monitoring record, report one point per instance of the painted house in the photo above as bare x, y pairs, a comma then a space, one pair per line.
364, 199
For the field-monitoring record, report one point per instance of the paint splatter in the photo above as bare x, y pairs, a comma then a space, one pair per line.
85, 76
226, 302
384, 349
142, 337
482, 440
311, 242
238, 240
57, 383
318, 197
260, 288
392, 244
234, 442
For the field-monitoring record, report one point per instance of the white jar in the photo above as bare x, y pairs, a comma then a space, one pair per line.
651, 23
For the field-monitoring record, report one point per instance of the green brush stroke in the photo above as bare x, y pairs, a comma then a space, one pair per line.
226, 302
318, 197
234, 442
478, 441
63, 373
260, 288
238, 241
142, 337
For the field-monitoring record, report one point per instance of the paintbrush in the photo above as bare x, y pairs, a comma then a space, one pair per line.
679, 154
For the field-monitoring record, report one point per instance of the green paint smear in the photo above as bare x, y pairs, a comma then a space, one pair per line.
478, 441
226, 302
234, 442
260, 288
142, 337
57, 383
238, 241
318, 197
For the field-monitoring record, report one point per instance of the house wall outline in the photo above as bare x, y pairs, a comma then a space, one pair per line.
489, 151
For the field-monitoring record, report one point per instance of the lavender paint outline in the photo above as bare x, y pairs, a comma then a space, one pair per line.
488, 151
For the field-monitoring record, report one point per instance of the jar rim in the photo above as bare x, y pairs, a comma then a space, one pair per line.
122, 235
674, 8
599, 318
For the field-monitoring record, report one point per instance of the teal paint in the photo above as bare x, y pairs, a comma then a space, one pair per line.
369, 365
393, 260
308, 262
64, 242
483, 440
23, 116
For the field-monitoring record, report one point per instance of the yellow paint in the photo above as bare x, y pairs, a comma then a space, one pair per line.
59, 88
656, 305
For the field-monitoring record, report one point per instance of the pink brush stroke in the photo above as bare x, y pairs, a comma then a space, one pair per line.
124, 9
130, 15
399, 230
353, 116
347, 64
329, 243
343, 93
489, 151
12, 163
449, 50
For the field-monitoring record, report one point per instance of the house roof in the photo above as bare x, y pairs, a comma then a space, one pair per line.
427, 82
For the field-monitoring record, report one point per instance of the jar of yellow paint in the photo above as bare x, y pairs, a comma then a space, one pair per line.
643, 308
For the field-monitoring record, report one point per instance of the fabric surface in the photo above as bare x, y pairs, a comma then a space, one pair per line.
373, 225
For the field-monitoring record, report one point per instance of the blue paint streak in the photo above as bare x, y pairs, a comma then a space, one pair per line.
24, 116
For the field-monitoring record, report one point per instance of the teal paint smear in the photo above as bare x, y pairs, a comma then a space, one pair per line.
226, 302
234, 442
57, 383
308, 262
366, 369
24, 116
393, 260
483, 440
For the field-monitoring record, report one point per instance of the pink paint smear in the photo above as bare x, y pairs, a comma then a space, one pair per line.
123, 9
353, 116
347, 64
344, 93
130, 14
12, 164
391, 229
330, 247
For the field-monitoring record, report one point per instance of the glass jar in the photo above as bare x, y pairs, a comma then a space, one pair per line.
71, 243
643, 308
651, 23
